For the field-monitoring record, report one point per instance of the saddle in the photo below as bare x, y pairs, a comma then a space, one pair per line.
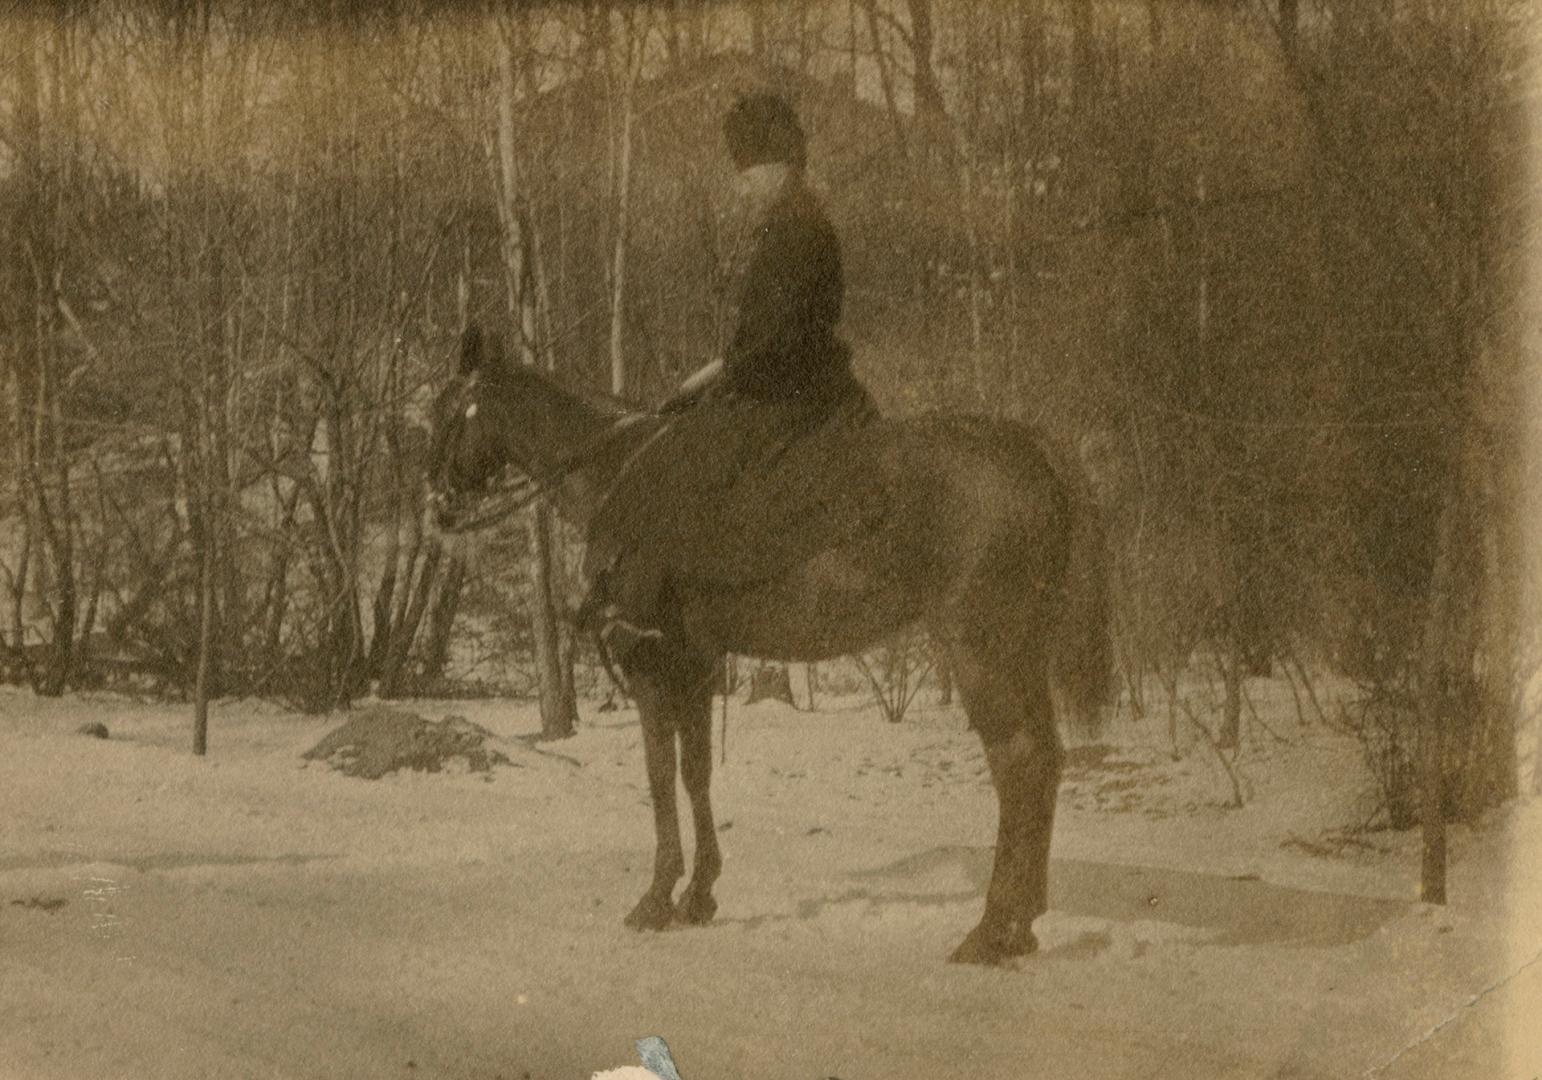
739, 491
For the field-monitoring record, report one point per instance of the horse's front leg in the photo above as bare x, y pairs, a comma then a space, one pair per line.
696, 904
655, 910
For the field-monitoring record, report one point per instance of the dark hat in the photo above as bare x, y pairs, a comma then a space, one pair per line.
762, 128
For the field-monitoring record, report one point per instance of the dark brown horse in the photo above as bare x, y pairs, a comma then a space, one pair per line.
985, 544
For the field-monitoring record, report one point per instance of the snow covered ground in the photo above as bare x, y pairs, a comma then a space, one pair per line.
248, 916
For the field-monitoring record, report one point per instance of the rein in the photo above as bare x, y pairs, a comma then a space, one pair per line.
516, 486
510, 493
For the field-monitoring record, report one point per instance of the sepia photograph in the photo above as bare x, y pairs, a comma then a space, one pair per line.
771, 540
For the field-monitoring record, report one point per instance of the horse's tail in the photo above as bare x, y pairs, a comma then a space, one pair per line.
1082, 664
1082, 654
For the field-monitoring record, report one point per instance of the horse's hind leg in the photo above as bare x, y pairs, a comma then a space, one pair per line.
1009, 705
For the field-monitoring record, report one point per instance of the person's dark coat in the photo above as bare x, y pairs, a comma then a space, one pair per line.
784, 343
786, 379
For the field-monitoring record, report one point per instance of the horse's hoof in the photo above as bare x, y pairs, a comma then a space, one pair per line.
994, 947
695, 908
651, 913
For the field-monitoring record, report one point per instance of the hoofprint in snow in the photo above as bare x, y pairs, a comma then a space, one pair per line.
251, 915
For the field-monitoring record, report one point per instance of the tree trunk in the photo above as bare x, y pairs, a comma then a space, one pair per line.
973, 209
1084, 58
1435, 677
1290, 18
381, 626
59, 526
43, 469
930, 108
559, 709
623, 171
885, 76
393, 672
206, 557
205, 648
441, 621
1156, 29
1232, 674
757, 14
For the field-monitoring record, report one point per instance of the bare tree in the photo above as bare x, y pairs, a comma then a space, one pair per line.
559, 711
623, 94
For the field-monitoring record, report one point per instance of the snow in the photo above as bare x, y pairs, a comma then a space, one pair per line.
249, 914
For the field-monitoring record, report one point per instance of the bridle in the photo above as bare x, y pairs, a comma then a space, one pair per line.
506, 496
517, 484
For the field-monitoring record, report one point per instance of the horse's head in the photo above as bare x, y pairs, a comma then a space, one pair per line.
498, 418
472, 445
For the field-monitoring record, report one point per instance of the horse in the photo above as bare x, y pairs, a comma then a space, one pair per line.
990, 547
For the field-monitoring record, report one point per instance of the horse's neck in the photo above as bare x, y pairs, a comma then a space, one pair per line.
582, 443
586, 487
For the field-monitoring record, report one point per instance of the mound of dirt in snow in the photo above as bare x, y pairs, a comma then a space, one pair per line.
380, 741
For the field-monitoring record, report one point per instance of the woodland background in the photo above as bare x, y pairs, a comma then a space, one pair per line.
1260, 265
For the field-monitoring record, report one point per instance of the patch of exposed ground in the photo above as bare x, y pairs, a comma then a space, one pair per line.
378, 742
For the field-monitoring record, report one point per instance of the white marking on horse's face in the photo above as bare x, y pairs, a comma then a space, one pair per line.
471, 411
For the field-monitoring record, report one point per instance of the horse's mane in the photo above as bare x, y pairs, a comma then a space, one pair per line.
605, 402
472, 345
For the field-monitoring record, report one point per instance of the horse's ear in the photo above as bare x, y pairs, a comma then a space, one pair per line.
471, 350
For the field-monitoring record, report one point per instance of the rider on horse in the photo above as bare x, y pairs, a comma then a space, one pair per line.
769, 513
784, 375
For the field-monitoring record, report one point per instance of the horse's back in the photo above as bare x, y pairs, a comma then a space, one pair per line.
919, 490
731, 500
948, 520
984, 488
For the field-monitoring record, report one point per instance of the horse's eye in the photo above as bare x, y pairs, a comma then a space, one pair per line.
471, 411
